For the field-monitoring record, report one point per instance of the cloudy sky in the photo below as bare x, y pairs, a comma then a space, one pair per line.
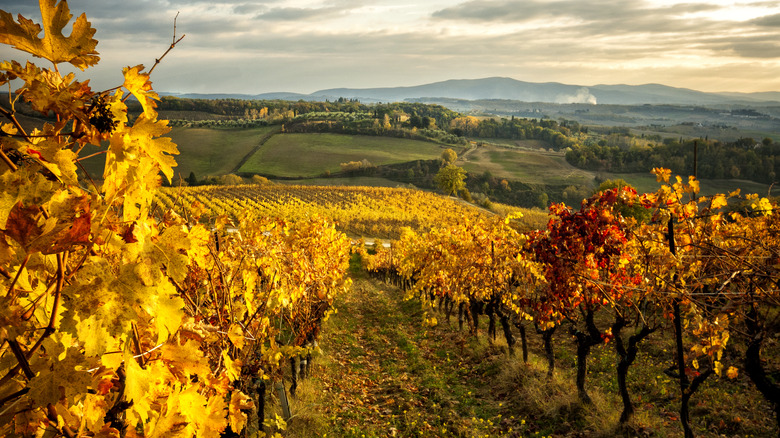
256, 46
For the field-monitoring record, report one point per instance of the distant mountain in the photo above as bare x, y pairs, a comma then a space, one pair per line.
549, 92
512, 89
282, 95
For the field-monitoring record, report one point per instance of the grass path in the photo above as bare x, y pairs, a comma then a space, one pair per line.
382, 373
254, 150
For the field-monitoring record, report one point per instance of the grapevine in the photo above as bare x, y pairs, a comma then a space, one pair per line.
122, 318
694, 270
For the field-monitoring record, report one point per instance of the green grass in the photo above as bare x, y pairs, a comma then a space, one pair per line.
205, 151
210, 152
551, 168
529, 166
293, 155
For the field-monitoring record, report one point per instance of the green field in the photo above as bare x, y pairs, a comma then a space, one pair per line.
212, 152
294, 155
534, 167
551, 168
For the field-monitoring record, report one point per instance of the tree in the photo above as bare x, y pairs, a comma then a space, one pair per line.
449, 156
231, 180
260, 180
450, 178
192, 180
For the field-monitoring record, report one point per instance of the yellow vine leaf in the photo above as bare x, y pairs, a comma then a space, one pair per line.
94, 337
171, 249
661, 174
215, 422
238, 401
129, 146
138, 383
718, 201
232, 367
77, 49
732, 373
139, 85
26, 186
94, 408
61, 162
762, 207
236, 335
694, 184
61, 378
206, 416
106, 298
167, 313
186, 359
171, 424
48, 90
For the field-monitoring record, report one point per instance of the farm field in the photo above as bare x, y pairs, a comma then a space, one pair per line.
204, 151
544, 167
529, 166
212, 152
303, 155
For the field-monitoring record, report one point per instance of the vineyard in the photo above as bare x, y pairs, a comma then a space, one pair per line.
135, 311
705, 280
359, 211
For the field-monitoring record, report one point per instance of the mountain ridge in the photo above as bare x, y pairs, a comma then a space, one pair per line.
513, 89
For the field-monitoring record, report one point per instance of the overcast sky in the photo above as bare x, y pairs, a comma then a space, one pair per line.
256, 46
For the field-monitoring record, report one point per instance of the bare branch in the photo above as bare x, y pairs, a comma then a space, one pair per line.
174, 41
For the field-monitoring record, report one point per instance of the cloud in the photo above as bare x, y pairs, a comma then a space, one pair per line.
328, 9
596, 11
769, 21
267, 45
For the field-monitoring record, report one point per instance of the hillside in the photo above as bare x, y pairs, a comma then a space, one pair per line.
306, 155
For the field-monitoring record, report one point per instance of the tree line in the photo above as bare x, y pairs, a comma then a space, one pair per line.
745, 158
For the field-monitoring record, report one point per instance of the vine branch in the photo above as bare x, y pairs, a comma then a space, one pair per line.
174, 41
